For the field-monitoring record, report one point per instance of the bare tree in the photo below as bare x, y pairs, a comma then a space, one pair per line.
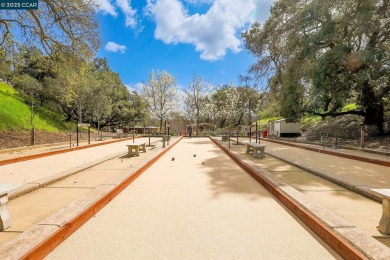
30, 88
196, 96
160, 92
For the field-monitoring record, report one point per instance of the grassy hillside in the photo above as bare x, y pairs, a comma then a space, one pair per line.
15, 114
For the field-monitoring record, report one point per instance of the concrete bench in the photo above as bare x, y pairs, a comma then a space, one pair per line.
258, 150
5, 219
384, 223
133, 149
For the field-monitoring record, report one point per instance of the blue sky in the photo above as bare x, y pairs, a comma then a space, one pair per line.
183, 37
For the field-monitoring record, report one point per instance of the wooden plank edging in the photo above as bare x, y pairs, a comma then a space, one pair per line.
337, 243
344, 155
40, 155
62, 233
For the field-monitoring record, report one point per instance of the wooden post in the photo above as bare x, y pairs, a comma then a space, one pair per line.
33, 136
77, 132
256, 130
229, 138
250, 132
362, 139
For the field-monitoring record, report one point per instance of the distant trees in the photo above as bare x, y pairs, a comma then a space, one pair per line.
323, 54
86, 91
196, 97
228, 104
5, 66
30, 88
160, 93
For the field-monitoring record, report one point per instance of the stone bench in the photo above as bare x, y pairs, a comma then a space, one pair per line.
5, 219
384, 223
133, 149
258, 150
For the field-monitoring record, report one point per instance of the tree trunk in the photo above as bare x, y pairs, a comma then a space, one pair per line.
222, 123
197, 125
375, 116
374, 108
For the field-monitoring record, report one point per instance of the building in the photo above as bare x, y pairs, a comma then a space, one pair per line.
280, 128
140, 130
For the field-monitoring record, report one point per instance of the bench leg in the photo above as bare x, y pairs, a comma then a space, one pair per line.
249, 149
133, 151
384, 223
5, 220
258, 152
262, 152
143, 148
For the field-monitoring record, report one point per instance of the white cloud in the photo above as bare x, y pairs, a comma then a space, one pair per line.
110, 7
212, 33
199, 1
106, 7
114, 47
134, 87
130, 13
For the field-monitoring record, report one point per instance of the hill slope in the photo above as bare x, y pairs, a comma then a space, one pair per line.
15, 114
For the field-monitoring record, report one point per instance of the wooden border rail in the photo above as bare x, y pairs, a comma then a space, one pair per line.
62, 233
340, 154
337, 243
40, 155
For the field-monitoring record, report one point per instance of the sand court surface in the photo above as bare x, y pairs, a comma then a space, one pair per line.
194, 203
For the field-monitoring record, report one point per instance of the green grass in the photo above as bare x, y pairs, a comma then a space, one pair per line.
350, 107
310, 120
264, 121
15, 114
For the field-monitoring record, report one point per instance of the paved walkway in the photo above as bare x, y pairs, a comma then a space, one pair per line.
193, 203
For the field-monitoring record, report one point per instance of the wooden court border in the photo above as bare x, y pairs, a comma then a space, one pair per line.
337, 243
40, 155
344, 155
55, 239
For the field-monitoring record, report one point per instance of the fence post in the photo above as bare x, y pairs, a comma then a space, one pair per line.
362, 139
256, 130
33, 136
229, 138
